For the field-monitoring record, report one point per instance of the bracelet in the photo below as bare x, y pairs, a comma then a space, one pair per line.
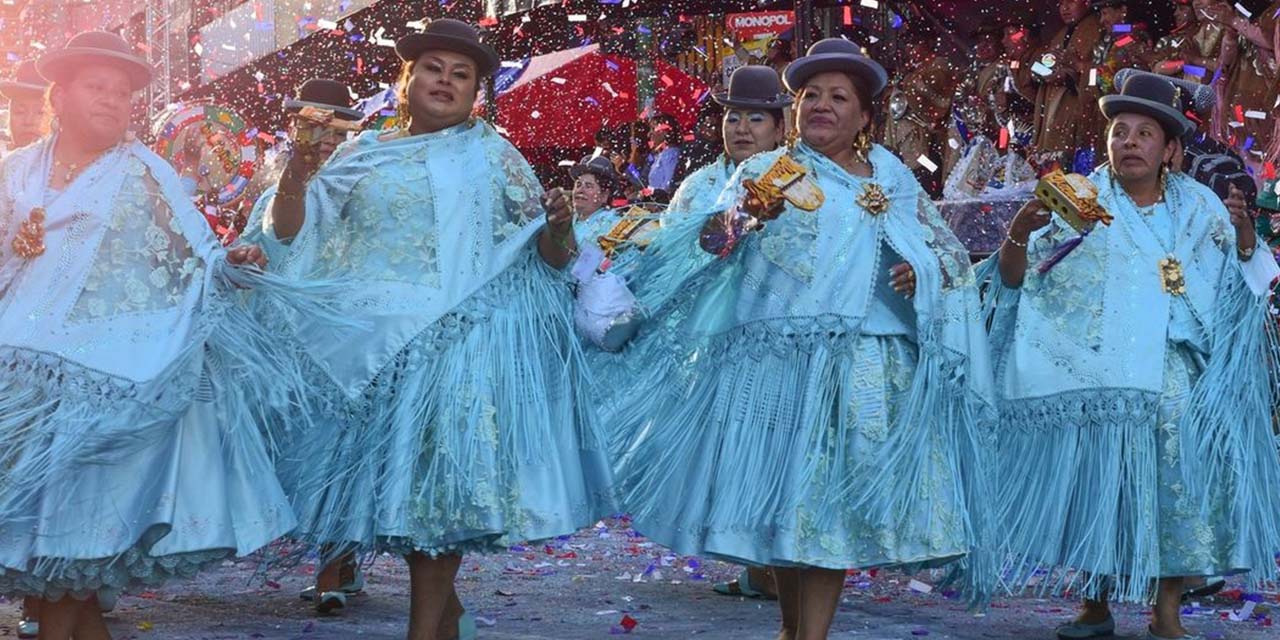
1245, 255
1020, 245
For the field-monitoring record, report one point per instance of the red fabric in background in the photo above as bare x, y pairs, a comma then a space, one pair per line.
561, 99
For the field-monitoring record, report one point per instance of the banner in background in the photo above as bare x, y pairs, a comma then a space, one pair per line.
749, 36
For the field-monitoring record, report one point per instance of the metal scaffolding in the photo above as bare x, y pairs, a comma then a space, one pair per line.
158, 23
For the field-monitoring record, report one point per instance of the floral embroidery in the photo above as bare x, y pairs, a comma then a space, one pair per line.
144, 263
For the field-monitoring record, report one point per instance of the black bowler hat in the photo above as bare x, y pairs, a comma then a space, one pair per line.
450, 35
835, 54
323, 93
1150, 95
95, 47
754, 86
26, 81
600, 166
1103, 4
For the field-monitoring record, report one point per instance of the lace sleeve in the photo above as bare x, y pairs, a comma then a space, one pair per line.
144, 262
952, 256
1069, 294
8, 224
521, 194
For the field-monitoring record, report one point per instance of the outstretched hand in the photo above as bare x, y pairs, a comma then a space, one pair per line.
250, 254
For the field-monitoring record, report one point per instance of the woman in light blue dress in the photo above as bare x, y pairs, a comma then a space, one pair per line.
595, 182
455, 418
753, 122
1135, 392
131, 374
826, 411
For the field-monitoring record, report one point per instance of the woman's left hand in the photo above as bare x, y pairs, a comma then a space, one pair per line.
559, 214
1239, 209
1241, 219
903, 279
247, 254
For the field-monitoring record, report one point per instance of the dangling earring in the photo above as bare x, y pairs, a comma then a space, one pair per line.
1164, 180
862, 146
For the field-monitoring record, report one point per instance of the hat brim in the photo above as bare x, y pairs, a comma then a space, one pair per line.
798, 72
414, 44
343, 113
723, 99
1167, 116
60, 66
19, 89
578, 169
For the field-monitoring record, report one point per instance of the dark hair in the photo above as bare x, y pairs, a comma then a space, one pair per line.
673, 131
862, 89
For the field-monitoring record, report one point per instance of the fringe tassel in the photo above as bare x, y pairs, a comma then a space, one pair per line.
1227, 431
444, 429
939, 407
1086, 465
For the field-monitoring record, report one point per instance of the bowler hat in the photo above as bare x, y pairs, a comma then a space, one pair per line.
91, 47
754, 87
323, 93
835, 54
450, 35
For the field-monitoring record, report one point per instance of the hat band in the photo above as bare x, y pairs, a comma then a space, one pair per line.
781, 97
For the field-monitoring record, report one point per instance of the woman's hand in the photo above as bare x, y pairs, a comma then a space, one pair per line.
1242, 220
250, 254
1032, 216
559, 213
903, 279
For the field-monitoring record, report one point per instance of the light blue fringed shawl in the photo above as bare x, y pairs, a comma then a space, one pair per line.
376, 216
106, 337
1080, 358
813, 277
437, 233
702, 188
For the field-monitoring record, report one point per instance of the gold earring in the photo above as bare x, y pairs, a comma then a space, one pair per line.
862, 146
1164, 179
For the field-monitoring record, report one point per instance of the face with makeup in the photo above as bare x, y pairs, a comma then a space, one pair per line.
441, 89
750, 131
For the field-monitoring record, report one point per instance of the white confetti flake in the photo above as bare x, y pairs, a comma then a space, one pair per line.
927, 163
870, 4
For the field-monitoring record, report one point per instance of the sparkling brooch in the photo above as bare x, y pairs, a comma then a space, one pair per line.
29, 242
873, 199
1171, 278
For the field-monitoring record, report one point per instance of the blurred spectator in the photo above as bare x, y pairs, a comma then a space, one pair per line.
706, 143
664, 156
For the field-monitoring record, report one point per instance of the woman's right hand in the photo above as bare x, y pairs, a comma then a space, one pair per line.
1032, 216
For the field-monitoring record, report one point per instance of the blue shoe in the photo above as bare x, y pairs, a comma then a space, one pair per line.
1081, 631
28, 628
466, 627
351, 588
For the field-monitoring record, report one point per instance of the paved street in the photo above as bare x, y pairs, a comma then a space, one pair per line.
584, 586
